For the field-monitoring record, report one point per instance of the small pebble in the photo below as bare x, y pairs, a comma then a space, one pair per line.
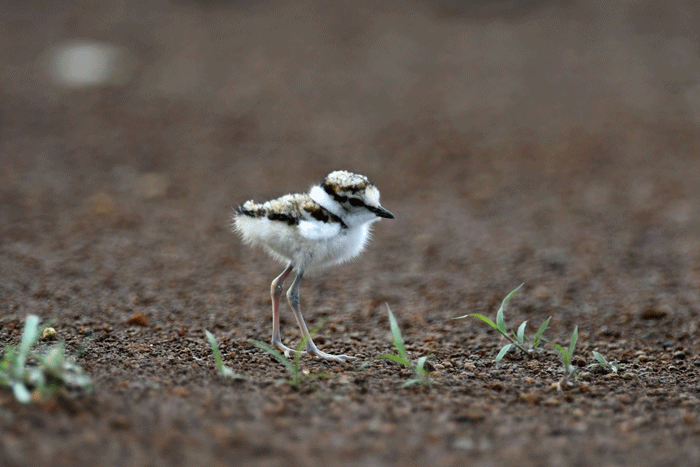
654, 313
138, 319
680, 355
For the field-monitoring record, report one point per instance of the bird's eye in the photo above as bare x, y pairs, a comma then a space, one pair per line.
355, 202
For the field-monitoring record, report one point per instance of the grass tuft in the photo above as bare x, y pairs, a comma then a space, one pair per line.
293, 366
603, 363
517, 339
566, 356
39, 374
224, 371
420, 373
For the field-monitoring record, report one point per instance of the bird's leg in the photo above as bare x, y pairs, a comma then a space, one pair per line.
293, 298
276, 289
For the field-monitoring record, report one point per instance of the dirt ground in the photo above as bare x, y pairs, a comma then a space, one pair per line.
548, 143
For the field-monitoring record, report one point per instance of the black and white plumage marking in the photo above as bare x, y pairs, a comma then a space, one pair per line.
327, 226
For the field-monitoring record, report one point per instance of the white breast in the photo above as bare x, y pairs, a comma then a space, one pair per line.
310, 245
345, 246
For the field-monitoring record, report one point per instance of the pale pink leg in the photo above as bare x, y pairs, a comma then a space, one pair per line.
276, 290
293, 298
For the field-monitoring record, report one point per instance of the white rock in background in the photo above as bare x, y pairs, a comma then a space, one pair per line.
84, 63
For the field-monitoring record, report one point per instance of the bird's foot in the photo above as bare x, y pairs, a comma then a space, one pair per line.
314, 351
289, 353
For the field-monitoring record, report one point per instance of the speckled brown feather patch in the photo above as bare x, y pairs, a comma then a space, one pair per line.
290, 209
341, 181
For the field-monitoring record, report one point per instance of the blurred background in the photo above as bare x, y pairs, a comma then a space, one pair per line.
538, 128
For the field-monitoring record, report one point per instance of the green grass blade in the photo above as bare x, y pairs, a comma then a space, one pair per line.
411, 382
35, 378
396, 333
485, 320
600, 358
564, 355
420, 364
395, 358
500, 321
21, 392
297, 355
509, 296
572, 345
505, 300
540, 331
30, 335
215, 349
302, 344
275, 353
520, 336
503, 352
225, 371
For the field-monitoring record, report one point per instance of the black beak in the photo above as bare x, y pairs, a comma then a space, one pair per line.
381, 212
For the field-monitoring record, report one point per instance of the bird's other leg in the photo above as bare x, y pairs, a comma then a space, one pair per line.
293, 298
276, 289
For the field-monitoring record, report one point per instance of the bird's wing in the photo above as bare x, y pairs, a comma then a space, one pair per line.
318, 230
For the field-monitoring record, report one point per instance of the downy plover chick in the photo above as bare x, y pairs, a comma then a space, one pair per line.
327, 226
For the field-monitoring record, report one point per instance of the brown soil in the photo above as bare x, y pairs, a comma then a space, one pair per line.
534, 142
